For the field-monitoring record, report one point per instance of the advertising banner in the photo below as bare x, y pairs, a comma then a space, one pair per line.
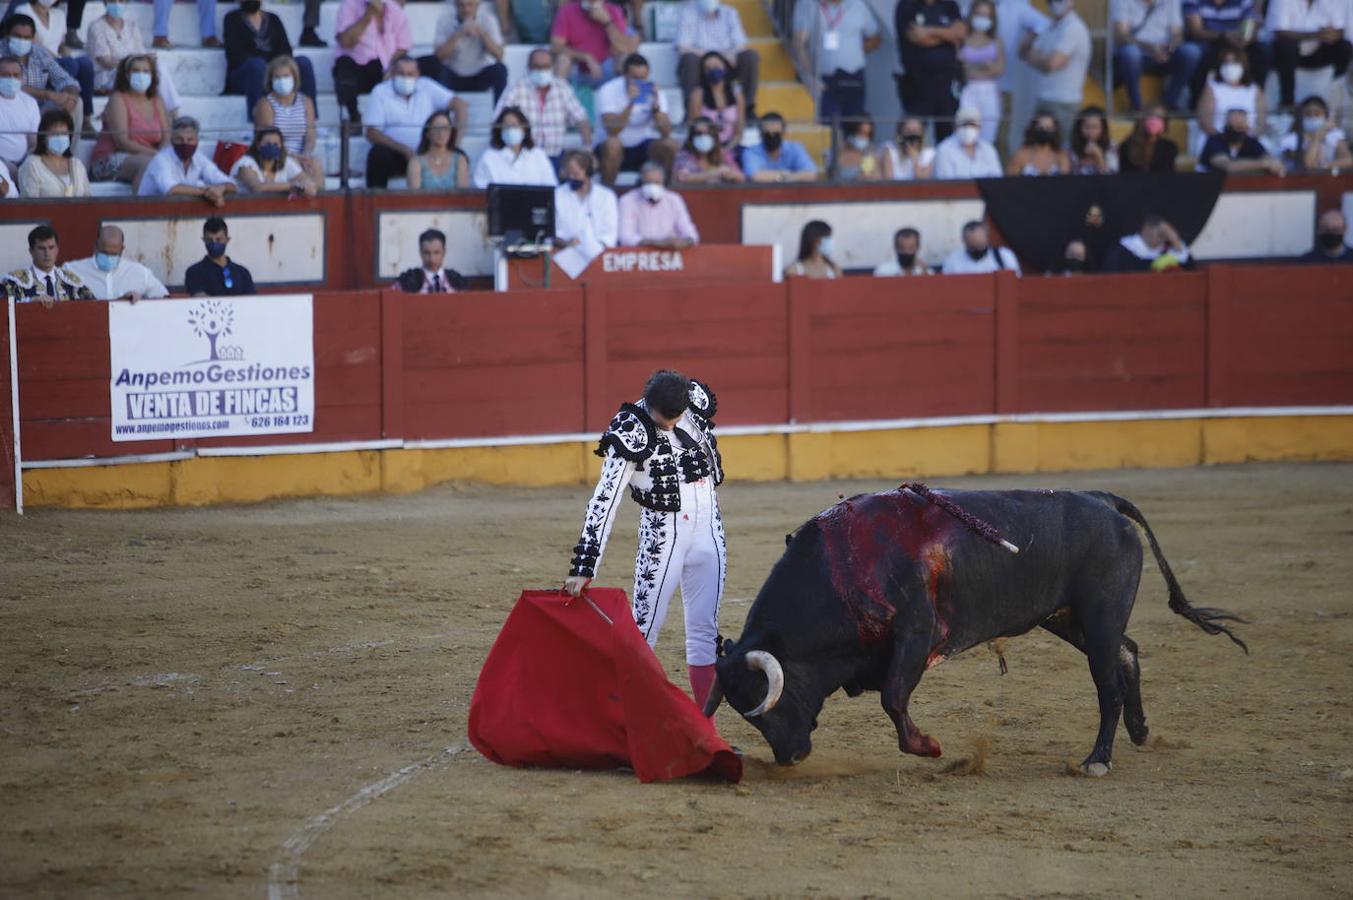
212, 367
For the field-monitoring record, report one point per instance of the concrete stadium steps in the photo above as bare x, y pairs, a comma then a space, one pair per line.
775, 62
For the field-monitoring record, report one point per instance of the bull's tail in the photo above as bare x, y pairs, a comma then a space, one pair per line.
1207, 618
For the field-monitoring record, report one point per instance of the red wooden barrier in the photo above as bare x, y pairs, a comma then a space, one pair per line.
891, 348
6, 415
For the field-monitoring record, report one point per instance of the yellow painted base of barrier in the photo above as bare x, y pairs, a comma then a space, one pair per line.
1000, 448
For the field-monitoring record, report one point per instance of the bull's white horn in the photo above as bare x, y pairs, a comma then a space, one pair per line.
761, 661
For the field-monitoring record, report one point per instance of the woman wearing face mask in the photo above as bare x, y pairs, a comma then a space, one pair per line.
1042, 153
268, 169
1147, 149
112, 38
815, 249
291, 112
856, 159
1231, 88
1314, 142
440, 165
719, 99
908, 159
702, 160
50, 170
1091, 151
983, 59
512, 157
253, 38
135, 124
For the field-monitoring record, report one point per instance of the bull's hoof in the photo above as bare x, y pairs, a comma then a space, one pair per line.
925, 745
1096, 769
1138, 732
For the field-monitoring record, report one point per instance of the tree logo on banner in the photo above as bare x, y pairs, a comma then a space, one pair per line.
213, 320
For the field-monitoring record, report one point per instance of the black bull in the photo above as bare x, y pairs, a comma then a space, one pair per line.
879, 587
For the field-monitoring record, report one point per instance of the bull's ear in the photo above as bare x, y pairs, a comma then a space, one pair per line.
726, 648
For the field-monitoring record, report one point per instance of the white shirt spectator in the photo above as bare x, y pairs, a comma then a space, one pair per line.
470, 56
904, 167
1298, 15
506, 166
612, 98
893, 269
402, 118
699, 32
1149, 21
165, 172
19, 117
291, 170
129, 277
1067, 35
952, 160
594, 220
1329, 147
960, 263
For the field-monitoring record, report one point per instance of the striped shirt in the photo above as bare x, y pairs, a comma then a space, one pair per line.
549, 114
290, 120
1229, 15
42, 71
702, 33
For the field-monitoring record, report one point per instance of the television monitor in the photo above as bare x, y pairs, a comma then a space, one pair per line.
521, 214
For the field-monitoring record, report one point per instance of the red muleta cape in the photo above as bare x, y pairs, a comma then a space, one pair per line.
564, 688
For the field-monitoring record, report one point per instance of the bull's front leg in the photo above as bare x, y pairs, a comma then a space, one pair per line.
910, 650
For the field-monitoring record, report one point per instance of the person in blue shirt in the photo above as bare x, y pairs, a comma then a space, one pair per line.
217, 275
1212, 25
776, 159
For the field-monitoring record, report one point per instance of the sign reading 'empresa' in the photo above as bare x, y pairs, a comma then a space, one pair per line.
212, 367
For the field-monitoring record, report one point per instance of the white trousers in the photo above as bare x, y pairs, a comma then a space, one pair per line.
685, 548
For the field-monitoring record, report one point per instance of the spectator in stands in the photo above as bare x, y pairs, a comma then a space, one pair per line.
1308, 34
110, 276
1234, 151
832, 39
930, 34
711, 26
179, 170
433, 277
977, 255
1149, 37
1074, 258
526, 21
1213, 25
1092, 152
983, 58
1147, 149
1231, 88
291, 112
112, 38
217, 275
909, 159
49, 33
19, 118
253, 39
206, 24
43, 78
719, 99
777, 159
135, 124
964, 154
1018, 20
1313, 143
815, 253
856, 158
267, 168
440, 165
702, 160
468, 52
1155, 248
395, 115
1061, 55
1339, 97
51, 170
589, 39
1330, 243
43, 280
654, 216
1042, 153
370, 34
512, 156
634, 113
906, 256
586, 213
550, 103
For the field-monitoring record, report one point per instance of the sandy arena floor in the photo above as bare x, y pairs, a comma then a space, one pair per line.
271, 701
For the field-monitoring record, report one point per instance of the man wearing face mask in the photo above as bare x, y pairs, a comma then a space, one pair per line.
1061, 56
929, 33
711, 26
19, 120
634, 114
777, 159
977, 256
549, 104
111, 277
254, 38
906, 256
43, 77
1330, 244
1234, 151
217, 275
964, 154
179, 170
654, 216
586, 214
395, 116
1156, 247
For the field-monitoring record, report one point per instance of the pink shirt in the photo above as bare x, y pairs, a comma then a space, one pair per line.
642, 220
384, 36
575, 26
